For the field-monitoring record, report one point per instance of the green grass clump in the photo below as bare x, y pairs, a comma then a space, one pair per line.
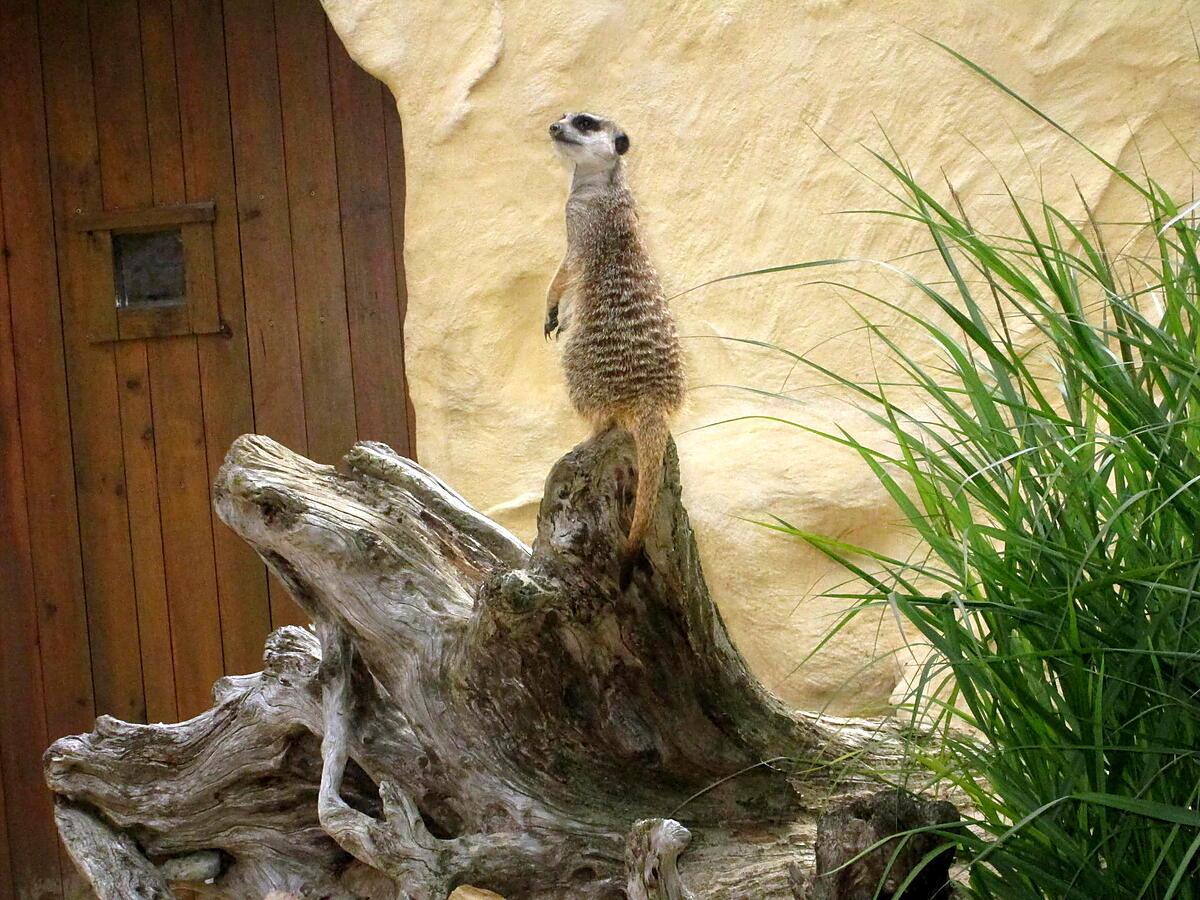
1055, 481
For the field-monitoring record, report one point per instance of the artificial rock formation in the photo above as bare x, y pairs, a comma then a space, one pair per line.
732, 109
465, 711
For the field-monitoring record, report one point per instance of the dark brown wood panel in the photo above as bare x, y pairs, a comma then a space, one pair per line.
41, 375
52, 525
180, 452
224, 363
143, 219
316, 229
291, 158
8, 890
162, 101
276, 371
33, 846
91, 368
204, 310
187, 535
125, 184
262, 204
149, 568
120, 111
376, 333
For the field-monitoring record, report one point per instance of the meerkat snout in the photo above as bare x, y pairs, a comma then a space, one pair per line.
588, 141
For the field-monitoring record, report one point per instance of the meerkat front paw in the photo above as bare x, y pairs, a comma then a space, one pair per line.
550, 329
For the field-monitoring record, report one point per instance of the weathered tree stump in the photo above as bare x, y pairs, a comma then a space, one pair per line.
868, 846
465, 711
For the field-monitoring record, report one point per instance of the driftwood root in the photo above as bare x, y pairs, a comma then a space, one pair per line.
466, 710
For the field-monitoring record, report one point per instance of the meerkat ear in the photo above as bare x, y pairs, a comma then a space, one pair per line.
621, 143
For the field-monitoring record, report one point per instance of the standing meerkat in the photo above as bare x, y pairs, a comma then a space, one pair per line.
622, 357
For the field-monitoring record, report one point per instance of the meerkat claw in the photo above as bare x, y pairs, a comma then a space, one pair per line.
550, 330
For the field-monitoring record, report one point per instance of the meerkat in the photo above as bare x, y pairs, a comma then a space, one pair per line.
621, 356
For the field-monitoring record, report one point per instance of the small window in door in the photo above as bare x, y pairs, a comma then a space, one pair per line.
148, 269
151, 271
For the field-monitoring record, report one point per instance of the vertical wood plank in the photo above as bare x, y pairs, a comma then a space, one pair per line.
178, 475
120, 104
201, 275
397, 185
186, 522
41, 375
316, 229
7, 888
91, 368
125, 178
374, 308
162, 100
33, 844
138, 442
40, 369
262, 200
100, 315
224, 360
181, 465
266, 242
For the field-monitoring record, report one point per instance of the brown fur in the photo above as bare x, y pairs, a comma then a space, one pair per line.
622, 358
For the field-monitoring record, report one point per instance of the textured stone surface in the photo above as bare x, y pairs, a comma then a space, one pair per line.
721, 101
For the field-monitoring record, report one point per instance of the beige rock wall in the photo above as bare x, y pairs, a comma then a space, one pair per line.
727, 104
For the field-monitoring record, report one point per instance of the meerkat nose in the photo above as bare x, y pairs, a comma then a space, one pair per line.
555, 128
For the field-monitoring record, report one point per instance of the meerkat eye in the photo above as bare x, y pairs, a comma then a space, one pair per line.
585, 123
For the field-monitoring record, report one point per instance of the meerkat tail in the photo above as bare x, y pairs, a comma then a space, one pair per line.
650, 438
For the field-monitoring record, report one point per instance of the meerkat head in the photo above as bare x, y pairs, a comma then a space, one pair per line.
589, 142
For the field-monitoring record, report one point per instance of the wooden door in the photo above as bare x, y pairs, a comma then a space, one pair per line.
123, 594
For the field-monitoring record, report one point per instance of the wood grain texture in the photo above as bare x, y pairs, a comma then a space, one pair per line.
28, 221
131, 119
224, 361
134, 324
262, 201
91, 368
145, 532
262, 205
104, 854
181, 463
162, 107
40, 369
128, 189
98, 283
204, 314
187, 529
376, 335
148, 218
7, 886
316, 228
32, 850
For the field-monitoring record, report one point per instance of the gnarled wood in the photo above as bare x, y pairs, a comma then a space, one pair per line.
468, 711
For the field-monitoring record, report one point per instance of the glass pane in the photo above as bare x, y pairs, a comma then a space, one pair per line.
149, 268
